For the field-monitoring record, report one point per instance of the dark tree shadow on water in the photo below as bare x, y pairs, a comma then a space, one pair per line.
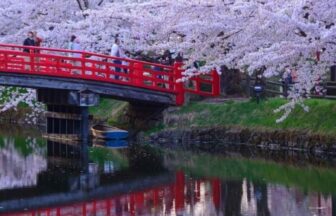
231, 197
260, 190
333, 205
145, 158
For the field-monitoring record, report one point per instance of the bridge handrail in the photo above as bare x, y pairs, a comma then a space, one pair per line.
15, 52
56, 63
83, 54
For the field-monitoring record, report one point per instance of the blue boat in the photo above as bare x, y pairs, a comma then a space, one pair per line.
108, 133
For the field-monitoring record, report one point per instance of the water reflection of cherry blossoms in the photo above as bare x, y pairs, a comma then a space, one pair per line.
17, 168
278, 200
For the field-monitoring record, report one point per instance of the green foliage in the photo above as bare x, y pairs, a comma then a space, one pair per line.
320, 118
109, 110
155, 129
106, 107
308, 178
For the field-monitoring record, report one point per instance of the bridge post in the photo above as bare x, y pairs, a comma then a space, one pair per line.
216, 83
32, 59
83, 66
179, 85
137, 73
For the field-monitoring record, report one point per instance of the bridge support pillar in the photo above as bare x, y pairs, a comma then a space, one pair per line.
84, 124
67, 113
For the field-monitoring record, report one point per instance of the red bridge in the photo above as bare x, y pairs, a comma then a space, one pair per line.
45, 68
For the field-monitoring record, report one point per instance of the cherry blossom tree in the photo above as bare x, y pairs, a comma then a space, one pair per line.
278, 36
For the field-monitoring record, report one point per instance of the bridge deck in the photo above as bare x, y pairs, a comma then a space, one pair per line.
110, 90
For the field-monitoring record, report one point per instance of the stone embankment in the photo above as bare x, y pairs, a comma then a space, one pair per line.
215, 139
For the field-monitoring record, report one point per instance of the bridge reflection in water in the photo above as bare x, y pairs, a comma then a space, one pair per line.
81, 187
61, 179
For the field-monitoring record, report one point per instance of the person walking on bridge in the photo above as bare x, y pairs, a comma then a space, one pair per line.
29, 41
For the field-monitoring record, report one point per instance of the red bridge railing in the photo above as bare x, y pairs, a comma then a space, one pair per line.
104, 68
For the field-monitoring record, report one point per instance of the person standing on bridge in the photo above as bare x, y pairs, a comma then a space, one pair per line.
38, 42
29, 41
168, 60
179, 58
116, 51
75, 46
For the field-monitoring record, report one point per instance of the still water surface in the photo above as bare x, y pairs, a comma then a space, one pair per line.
42, 177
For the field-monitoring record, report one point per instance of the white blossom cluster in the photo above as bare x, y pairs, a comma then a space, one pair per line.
11, 97
279, 36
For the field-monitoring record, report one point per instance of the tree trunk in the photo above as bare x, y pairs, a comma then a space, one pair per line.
101, 2
83, 4
231, 82
333, 73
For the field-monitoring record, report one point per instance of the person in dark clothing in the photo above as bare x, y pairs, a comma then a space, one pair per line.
29, 41
167, 58
179, 58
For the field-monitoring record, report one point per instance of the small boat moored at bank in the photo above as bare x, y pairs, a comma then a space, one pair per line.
107, 132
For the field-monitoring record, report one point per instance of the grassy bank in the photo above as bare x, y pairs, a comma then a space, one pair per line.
108, 110
321, 118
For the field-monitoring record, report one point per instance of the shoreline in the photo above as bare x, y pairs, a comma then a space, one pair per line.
213, 126
217, 138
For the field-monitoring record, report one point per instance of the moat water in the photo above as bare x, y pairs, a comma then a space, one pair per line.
48, 177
